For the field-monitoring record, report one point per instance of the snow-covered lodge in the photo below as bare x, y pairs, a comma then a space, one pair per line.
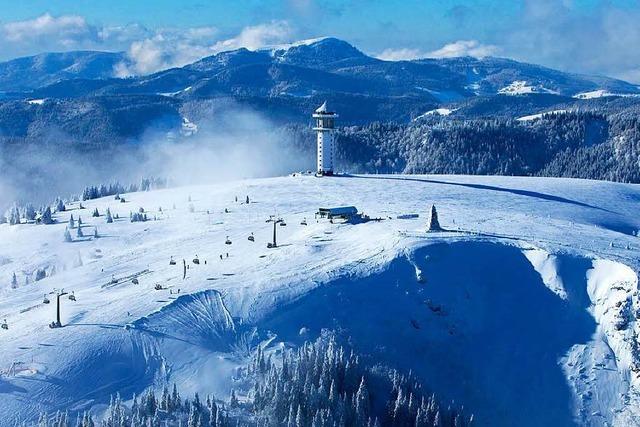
343, 212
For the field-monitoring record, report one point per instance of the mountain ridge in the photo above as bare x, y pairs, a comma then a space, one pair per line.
461, 77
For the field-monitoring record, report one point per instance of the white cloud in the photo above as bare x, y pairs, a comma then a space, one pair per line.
167, 48
147, 50
257, 36
176, 48
68, 31
561, 34
402, 54
464, 48
451, 50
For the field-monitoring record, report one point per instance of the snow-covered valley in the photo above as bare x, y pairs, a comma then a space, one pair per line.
524, 310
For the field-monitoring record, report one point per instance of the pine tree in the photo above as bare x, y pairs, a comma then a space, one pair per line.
30, 212
233, 400
95, 213
87, 420
109, 217
213, 414
116, 415
14, 281
67, 235
72, 222
165, 399
79, 221
291, 417
437, 422
220, 421
300, 418
46, 216
95, 233
79, 232
362, 403
60, 207
13, 215
193, 417
176, 402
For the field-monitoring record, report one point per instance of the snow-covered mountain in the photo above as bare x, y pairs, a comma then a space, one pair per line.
23, 74
523, 310
280, 69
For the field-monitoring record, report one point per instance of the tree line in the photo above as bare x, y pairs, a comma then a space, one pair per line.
319, 384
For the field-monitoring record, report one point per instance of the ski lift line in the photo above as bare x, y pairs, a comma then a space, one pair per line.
58, 323
123, 279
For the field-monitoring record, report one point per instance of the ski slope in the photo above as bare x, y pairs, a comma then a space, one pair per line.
523, 310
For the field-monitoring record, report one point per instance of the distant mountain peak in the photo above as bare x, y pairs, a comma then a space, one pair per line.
316, 53
287, 46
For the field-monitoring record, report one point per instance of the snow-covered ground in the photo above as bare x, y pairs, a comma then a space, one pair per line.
524, 311
436, 112
600, 93
521, 87
539, 115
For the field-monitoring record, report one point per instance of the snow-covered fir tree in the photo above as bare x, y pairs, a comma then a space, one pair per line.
137, 217
320, 384
67, 235
108, 216
13, 215
46, 216
60, 207
79, 232
29, 212
14, 281
95, 213
72, 222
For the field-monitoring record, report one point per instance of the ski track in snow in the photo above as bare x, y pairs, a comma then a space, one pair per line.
523, 302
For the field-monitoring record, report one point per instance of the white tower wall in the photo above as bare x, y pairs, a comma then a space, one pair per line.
325, 139
325, 153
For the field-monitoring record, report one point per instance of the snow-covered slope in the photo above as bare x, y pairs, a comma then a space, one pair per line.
521, 87
539, 115
524, 311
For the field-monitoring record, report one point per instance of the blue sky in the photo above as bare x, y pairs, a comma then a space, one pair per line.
589, 36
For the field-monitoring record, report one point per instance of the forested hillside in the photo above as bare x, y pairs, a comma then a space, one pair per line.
578, 144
